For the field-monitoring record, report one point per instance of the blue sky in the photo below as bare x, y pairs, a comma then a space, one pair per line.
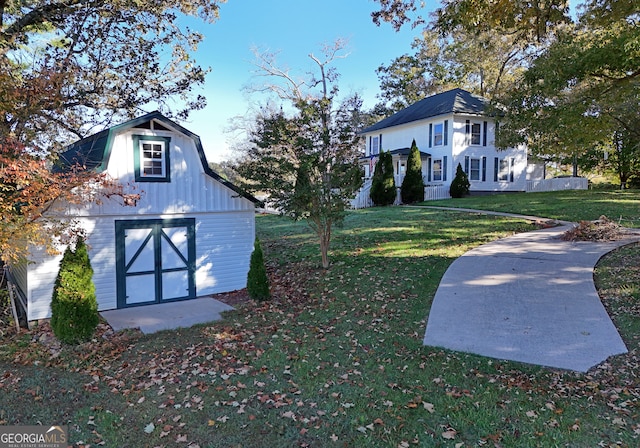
295, 28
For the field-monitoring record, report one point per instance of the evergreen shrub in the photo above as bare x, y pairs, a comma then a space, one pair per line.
460, 185
74, 308
383, 185
412, 189
257, 280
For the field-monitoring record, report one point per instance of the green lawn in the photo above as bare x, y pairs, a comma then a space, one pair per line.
576, 205
336, 359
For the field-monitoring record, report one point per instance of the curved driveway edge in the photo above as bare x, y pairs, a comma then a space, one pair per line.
528, 298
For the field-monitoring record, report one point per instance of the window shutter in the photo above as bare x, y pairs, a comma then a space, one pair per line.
446, 131
429, 170
496, 168
484, 134
370, 144
380, 144
467, 133
444, 168
484, 169
466, 164
430, 134
511, 162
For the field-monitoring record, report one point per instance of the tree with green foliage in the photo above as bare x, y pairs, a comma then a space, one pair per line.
460, 184
383, 184
306, 162
412, 189
74, 308
257, 280
102, 62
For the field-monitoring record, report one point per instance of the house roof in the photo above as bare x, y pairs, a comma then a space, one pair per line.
452, 101
93, 152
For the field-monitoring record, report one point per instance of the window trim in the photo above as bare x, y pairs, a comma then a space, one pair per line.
138, 140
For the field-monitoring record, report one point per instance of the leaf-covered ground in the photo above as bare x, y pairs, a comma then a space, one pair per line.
335, 360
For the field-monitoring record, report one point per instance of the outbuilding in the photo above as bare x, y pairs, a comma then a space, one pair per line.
190, 233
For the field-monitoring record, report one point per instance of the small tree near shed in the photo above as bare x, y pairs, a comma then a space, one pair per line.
257, 280
74, 308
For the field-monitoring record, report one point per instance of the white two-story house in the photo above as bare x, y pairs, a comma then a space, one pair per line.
449, 128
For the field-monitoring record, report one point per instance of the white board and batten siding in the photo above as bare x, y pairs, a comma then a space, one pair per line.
224, 225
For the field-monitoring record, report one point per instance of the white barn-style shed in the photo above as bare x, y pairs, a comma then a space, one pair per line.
190, 234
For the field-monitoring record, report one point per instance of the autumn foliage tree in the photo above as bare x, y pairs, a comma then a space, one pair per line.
68, 67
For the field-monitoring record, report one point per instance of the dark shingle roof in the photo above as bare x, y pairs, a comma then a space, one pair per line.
453, 101
93, 152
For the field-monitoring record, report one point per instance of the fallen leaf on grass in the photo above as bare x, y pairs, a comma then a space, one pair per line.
449, 434
429, 407
149, 428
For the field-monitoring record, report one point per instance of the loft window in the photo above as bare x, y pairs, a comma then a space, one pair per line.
151, 155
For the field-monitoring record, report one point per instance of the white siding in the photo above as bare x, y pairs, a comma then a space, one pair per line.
224, 242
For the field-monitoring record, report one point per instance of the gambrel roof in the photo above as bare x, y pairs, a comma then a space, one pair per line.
453, 101
93, 152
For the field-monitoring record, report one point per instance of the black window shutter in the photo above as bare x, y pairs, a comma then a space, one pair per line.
429, 170
466, 164
370, 145
444, 168
484, 169
484, 134
511, 170
496, 168
446, 131
380, 144
467, 132
430, 133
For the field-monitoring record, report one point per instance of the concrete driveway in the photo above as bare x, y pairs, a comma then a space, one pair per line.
528, 298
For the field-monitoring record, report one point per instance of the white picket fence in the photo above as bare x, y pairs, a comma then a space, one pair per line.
557, 184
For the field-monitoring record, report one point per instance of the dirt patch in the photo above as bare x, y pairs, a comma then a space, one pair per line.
235, 298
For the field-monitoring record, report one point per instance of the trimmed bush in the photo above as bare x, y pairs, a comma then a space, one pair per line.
383, 185
412, 189
257, 280
460, 185
74, 308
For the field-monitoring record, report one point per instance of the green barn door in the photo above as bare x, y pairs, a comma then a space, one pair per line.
155, 261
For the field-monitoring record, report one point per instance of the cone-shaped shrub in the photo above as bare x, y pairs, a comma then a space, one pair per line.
257, 280
460, 185
74, 308
412, 189
383, 185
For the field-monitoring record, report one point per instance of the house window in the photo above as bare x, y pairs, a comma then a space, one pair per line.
437, 170
475, 133
474, 169
438, 133
503, 174
504, 170
151, 155
375, 145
